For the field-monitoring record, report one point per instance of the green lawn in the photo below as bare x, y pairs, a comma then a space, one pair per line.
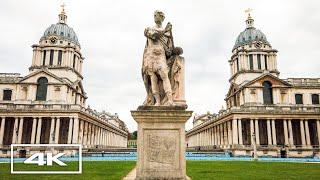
197, 170
200, 170
91, 170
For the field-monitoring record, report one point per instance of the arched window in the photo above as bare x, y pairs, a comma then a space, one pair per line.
267, 92
42, 89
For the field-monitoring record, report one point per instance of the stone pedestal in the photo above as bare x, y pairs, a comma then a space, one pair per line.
161, 142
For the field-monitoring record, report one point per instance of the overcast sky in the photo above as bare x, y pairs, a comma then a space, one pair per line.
112, 41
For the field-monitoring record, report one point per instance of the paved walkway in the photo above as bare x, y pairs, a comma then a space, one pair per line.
131, 175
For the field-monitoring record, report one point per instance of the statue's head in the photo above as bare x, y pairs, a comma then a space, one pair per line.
158, 17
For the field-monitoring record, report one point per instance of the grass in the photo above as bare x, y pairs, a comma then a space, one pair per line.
197, 170
251, 170
91, 170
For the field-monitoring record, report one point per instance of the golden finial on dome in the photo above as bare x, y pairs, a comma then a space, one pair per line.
62, 8
248, 11
62, 15
249, 20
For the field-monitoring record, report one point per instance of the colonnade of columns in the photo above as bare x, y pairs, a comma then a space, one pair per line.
219, 135
232, 133
91, 135
75, 131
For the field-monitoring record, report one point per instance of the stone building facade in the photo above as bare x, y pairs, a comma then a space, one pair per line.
282, 116
48, 105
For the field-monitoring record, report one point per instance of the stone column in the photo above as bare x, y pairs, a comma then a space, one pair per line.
81, 132
33, 131
229, 133
240, 131
307, 132
39, 130
106, 138
290, 133
99, 132
101, 137
90, 135
96, 136
75, 130
218, 135
303, 135
221, 134
225, 130
70, 130
269, 132
56, 137
85, 133
93, 135
257, 132
209, 136
234, 131
214, 136
251, 131
285, 132
274, 134
52, 138
20, 131
3, 123
318, 130
15, 131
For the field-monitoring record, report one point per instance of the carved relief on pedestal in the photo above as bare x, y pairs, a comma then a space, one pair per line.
162, 149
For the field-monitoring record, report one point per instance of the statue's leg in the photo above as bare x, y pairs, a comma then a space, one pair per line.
166, 85
155, 88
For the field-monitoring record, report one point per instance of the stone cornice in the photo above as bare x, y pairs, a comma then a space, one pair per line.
253, 50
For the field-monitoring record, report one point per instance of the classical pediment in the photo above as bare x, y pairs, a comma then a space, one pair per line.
275, 81
33, 77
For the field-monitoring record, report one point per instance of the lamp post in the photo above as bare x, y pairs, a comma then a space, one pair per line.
255, 155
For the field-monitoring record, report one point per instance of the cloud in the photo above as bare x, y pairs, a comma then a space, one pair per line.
111, 37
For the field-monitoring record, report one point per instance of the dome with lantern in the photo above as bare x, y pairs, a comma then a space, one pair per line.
250, 35
61, 30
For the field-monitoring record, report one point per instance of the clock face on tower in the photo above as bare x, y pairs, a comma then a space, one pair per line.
53, 40
258, 45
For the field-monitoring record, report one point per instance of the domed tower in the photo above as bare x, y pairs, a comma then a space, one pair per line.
252, 55
58, 51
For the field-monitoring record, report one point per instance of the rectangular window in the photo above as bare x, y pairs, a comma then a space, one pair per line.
315, 99
51, 57
7, 95
259, 61
251, 61
59, 57
237, 60
266, 62
44, 58
74, 61
299, 98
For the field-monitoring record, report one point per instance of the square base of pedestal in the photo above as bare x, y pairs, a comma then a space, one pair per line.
161, 143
